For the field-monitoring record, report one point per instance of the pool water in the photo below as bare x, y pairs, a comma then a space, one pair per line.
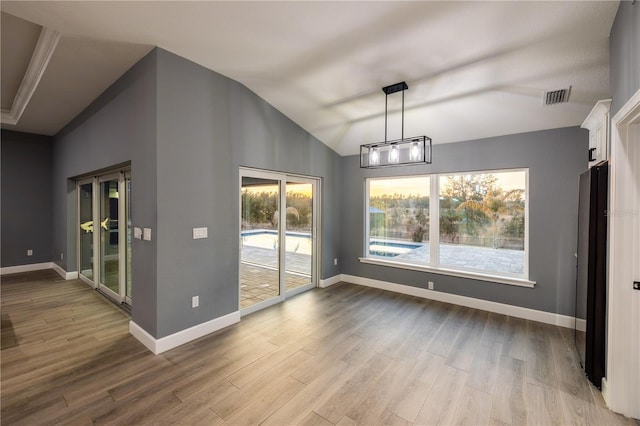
387, 248
300, 242
296, 242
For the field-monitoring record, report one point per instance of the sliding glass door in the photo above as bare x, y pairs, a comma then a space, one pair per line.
259, 241
299, 234
277, 237
104, 243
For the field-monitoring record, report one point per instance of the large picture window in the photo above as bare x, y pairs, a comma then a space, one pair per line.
399, 218
475, 223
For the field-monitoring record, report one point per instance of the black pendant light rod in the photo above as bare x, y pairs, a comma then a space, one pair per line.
385, 116
402, 86
402, 131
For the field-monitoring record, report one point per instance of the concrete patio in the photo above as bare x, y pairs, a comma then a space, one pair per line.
259, 274
470, 257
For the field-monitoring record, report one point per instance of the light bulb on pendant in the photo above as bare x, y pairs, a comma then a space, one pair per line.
374, 157
393, 154
415, 151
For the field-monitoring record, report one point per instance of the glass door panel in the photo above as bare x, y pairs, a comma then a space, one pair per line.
109, 236
85, 201
299, 234
259, 241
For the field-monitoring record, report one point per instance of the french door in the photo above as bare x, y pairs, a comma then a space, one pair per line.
278, 237
104, 234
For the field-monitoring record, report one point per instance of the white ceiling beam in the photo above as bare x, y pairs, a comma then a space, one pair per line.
42, 53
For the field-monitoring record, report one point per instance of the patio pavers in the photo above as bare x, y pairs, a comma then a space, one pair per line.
470, 257
259, 276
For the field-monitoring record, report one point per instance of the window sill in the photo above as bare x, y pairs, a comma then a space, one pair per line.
522, 282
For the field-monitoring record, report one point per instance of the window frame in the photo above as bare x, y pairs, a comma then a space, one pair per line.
368, 215
433, 264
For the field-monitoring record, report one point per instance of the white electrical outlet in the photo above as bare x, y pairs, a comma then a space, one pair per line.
430, 285
61, 256
29, 252
195, 301
335, 261
146, 234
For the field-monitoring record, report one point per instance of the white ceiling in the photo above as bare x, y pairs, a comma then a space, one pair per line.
474, 69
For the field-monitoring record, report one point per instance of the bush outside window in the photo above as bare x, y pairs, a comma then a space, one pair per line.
477, 222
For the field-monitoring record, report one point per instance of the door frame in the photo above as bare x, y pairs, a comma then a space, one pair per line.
119, 178
95, 237
315, 183
282, 178
120, 175
621, 388
126, 214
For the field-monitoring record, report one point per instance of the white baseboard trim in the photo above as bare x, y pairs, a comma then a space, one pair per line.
25, 268
485, 305
38, 267
605, 391
64, 274
157, 346
330, 281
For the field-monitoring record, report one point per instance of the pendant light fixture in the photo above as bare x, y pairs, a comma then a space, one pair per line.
400, 152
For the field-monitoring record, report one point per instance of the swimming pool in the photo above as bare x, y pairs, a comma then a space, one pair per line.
300, 242
391, 248
296, 242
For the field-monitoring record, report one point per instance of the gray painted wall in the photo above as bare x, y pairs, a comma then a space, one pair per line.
26, 198
195, 189
555, 159
119, 127
624, 55
209, 126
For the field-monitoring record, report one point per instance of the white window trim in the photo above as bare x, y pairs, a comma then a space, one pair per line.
501, 279
434, 235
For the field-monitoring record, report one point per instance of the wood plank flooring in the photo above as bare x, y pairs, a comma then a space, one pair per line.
344, 355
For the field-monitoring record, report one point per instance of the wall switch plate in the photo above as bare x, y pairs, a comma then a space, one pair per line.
29, 252
636, 285
200, 233
137, 233
195, 301
335, 261
61, 256
430, 285
147, 234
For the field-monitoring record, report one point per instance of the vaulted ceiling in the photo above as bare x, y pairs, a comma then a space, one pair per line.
474, 69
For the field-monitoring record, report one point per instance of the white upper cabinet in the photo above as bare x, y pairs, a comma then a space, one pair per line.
597, 122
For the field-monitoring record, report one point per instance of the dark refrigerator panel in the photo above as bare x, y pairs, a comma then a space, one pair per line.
591, 273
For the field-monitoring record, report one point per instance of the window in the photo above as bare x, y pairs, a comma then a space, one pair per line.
399, 218
476, 225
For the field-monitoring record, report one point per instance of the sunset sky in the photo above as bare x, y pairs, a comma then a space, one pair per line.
420, 185
299, 188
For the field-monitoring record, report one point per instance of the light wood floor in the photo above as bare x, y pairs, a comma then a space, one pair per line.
344, 355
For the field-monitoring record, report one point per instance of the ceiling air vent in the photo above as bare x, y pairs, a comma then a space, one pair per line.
556, 96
